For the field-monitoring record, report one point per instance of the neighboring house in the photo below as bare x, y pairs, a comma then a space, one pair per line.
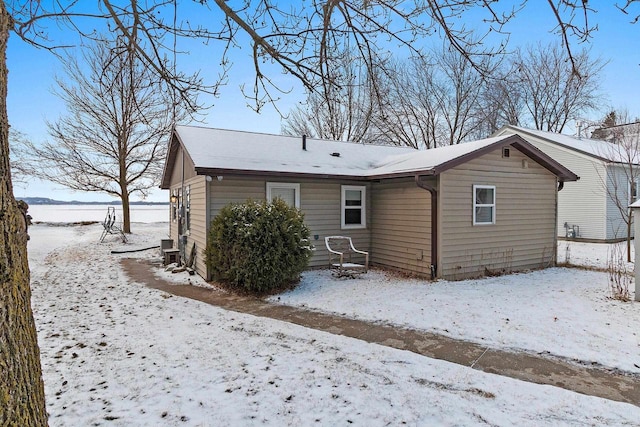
483, 207
589, 209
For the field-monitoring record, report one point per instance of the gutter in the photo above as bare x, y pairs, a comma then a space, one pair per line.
434, 225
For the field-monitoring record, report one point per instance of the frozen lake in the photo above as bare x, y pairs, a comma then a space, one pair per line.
77, 213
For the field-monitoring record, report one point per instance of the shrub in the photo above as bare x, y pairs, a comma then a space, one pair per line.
619, 278
258, 247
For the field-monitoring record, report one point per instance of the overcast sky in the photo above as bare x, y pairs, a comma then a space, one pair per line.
31, 78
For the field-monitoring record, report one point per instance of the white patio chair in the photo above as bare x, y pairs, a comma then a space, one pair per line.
341, 252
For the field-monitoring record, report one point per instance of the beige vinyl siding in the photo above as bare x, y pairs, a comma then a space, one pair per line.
176, 183
198, 227
401, 226
584, 202
197, 230
523, 235
234, 190
189, 168
319, 201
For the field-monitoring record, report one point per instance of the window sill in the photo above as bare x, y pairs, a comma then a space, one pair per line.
353, 227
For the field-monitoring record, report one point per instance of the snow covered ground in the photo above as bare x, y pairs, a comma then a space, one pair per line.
77, 213
593, 255
117, 353
563, 311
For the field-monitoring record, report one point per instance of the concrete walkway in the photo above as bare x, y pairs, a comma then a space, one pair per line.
601, 382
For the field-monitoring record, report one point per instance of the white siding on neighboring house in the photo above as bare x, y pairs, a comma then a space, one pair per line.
582, 203
618, 198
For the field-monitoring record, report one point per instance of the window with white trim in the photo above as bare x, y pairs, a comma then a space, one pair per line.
287, 191
353, 206
484, 204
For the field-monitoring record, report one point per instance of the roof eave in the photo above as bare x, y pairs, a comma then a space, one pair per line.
519, 143
546, 161
507, 140
568, 147
403, 174
283, 174
170, 160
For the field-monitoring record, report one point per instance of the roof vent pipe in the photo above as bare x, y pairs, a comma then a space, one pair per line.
304, 142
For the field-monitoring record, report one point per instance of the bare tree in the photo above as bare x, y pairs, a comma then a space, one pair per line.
19, 169
442, 100
341, 112
113, 139
554, 93
293, 37
458, 94
430, 101
502, 101
301, 38
406, 112
539, 87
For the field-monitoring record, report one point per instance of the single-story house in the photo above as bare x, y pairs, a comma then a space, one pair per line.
589, 210
483, 207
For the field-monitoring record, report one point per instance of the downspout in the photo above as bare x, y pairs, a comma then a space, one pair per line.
555, 232
207, 203
434, 225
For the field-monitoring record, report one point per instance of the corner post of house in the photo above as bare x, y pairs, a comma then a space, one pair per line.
635, 210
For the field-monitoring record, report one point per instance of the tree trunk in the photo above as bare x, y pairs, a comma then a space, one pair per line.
21, 388
126, 212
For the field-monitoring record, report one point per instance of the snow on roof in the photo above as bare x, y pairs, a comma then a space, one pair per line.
593, 147
430, 159
248, 151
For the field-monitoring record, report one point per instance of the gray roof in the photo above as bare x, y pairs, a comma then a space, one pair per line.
219, 151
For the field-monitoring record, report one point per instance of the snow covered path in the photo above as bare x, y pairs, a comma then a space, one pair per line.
563, 311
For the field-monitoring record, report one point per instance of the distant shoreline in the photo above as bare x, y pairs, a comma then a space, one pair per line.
83, 213
46, 201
